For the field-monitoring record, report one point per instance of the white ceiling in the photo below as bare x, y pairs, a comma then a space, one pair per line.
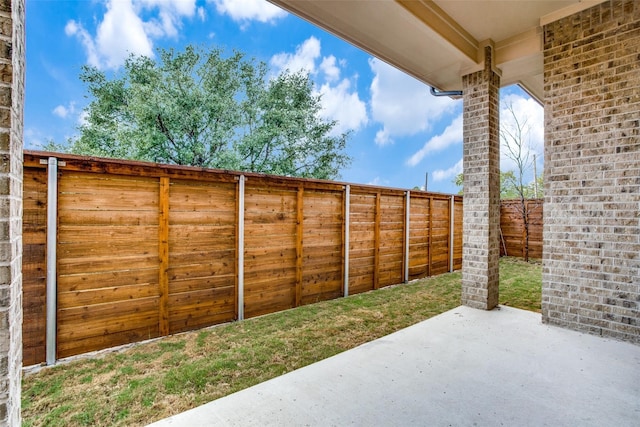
439, 41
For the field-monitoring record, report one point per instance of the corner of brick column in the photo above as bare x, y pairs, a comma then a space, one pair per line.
12, 66
481, 224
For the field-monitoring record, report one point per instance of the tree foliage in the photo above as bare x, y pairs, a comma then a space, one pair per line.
515, 137
516, 143
513, 185
201, 108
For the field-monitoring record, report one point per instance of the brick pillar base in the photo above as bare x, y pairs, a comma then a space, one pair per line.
481, 242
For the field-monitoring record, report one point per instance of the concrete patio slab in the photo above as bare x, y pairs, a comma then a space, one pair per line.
462, 368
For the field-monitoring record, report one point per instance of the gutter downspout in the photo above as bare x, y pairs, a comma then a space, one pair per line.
436, 92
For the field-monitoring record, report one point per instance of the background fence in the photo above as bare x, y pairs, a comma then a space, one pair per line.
141, 250
512, 227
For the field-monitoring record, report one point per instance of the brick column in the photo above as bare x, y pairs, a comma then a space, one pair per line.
481, 242
591, 257
12, 59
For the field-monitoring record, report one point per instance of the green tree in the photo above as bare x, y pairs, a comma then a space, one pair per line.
201, 108
515, 143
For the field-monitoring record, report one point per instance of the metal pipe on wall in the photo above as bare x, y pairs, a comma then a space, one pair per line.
451, 93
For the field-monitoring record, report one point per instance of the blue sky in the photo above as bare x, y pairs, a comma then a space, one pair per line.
399, 131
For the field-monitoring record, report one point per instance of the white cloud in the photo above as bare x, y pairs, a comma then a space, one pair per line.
61, 111
530, 115
450, 173
304, 58
76, 29
377, 181
329, 68
175, 8
122, 31
170, 14
451, 135
383, 138
402, 104
249, 10
340, 103
202, 14
339, 100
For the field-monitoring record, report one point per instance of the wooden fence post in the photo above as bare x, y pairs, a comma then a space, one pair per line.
163, 252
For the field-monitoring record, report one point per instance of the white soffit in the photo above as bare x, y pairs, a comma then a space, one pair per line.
439, 41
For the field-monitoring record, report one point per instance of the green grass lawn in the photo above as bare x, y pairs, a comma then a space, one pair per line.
154, 380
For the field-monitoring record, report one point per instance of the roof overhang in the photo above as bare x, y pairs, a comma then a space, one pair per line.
438, 42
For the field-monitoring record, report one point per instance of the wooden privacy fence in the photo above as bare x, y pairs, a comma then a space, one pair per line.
116, 252
512, 227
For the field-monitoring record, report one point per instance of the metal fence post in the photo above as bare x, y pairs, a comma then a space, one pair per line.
406, 235
52, 234
347, 201
241, 248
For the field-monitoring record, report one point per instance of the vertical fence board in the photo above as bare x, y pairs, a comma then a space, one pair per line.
34, 266
457, 243
163, 252
390, 242
376, 244
451, 232
440, 230
299, 236
322, 263
107, 261
202, 254
512, 228
361, 241
270, 248
535, 227
419, 237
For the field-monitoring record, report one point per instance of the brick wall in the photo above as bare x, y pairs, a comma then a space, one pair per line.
11, 119
591, 274
481, 227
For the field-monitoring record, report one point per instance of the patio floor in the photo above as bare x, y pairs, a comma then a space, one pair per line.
463, 367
